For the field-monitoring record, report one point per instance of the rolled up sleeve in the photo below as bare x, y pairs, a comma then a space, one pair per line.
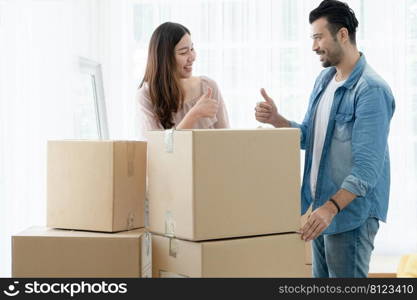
373, 113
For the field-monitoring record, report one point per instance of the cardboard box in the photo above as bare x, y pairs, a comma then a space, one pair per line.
309, 253
46, 252
210, 184
280, 255
96, 185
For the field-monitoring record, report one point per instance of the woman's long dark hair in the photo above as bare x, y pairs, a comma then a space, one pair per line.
165, 91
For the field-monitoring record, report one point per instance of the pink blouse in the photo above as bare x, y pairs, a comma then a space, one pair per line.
148, 121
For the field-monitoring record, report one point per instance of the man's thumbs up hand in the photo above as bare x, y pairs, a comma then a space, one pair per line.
267, 112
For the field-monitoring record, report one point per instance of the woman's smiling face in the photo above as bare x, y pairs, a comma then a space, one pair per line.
185, 56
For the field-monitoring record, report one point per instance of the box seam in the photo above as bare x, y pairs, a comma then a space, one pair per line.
193, 186
113, 193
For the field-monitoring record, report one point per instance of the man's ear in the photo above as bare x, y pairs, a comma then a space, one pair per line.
343, 34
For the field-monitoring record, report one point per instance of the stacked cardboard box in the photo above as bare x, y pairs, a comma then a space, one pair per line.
225, 203
46, 252
96, 186
276, 255
308, 249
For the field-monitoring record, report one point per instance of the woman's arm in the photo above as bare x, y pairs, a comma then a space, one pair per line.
221, 115
188, 121
205, 107
145, 117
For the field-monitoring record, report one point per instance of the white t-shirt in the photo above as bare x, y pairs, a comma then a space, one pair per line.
320, 128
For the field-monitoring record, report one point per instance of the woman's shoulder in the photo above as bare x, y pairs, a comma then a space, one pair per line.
142, 91
208, 82
143, 87
142, 94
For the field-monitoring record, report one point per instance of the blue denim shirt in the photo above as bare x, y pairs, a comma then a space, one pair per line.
355, 154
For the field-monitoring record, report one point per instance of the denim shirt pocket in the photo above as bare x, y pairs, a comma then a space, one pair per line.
343, 127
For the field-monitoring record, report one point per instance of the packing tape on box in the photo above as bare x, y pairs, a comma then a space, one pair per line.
148, 243
146, 212
169, 224
169, 140
147, 272
131, 149
173, 247
130, 220
146, 255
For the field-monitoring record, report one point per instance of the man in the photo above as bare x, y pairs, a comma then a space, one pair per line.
344, 132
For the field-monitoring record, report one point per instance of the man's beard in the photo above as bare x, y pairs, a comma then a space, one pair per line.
334, 57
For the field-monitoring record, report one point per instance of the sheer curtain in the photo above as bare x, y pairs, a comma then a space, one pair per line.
242, 44
40, 41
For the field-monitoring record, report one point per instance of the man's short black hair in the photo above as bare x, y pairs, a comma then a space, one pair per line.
338, 14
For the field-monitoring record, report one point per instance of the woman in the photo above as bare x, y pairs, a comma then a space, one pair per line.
169, 96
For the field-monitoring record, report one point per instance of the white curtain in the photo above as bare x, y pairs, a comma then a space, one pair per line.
242, 44
40, 41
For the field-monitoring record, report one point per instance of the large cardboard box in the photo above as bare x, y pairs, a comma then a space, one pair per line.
96, 185
309, 250
46, 252
210, 184
279, 255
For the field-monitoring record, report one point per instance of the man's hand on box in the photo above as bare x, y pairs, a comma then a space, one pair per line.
318, 221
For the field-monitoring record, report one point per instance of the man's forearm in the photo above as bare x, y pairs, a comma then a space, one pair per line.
343, 198
281, 122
